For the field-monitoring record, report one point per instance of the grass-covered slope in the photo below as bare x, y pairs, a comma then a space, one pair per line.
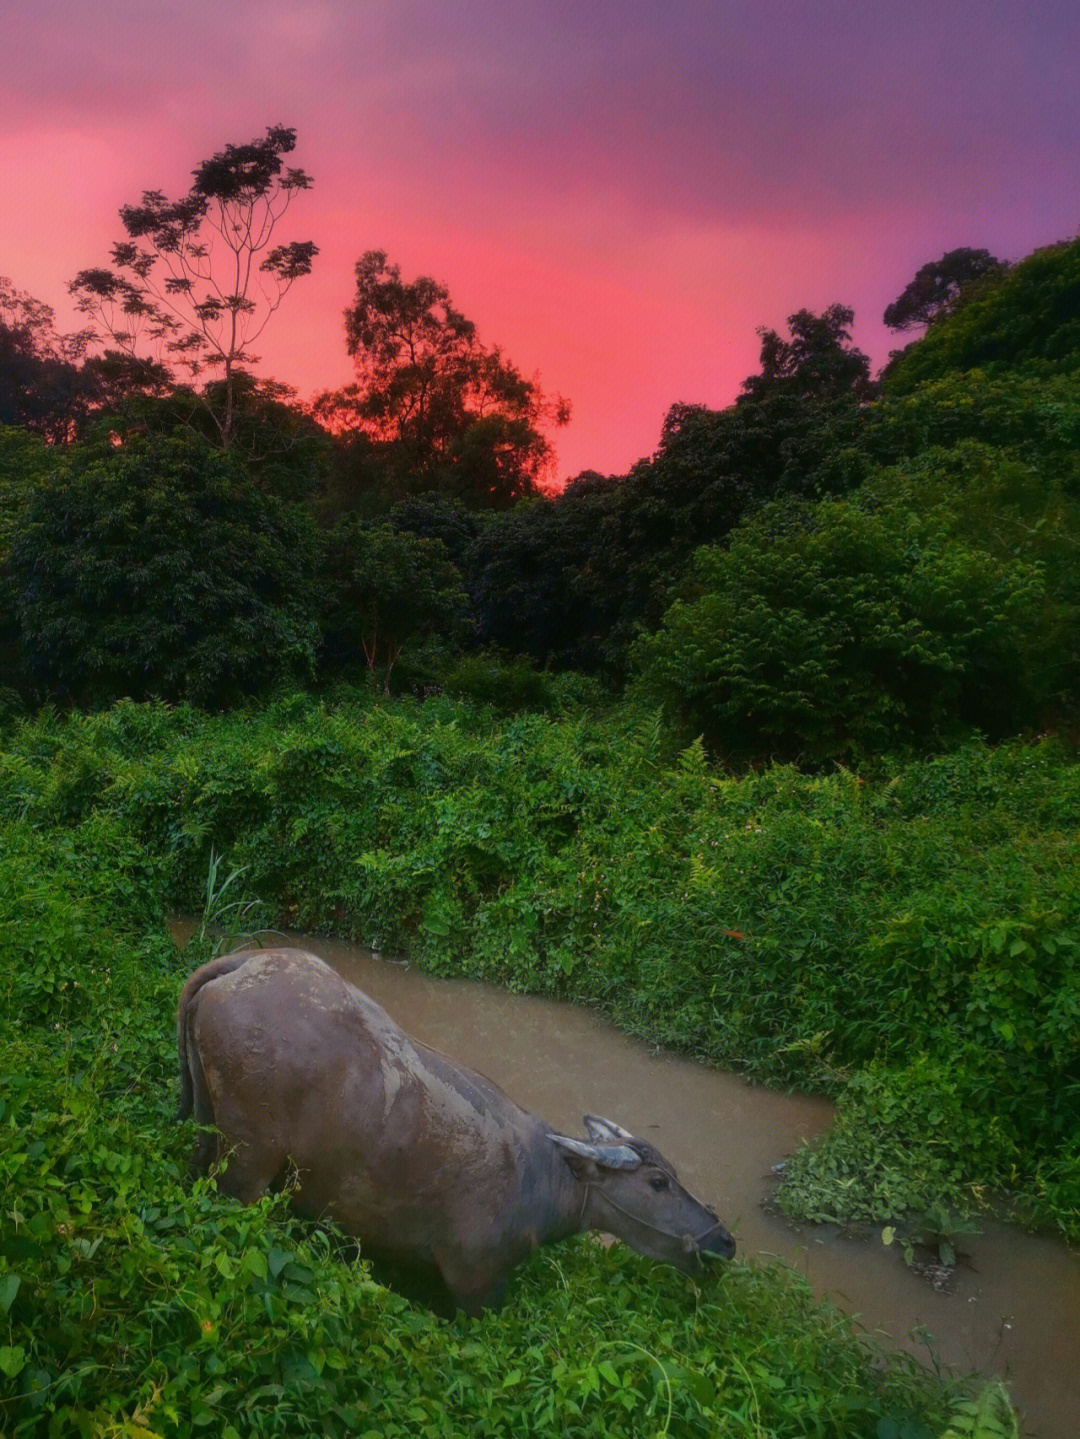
133, 1303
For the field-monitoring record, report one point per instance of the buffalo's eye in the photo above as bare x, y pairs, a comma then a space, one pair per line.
659, 1182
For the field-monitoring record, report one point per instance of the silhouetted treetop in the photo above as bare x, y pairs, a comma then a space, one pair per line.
1024, 318
818, 360
938, 287
448, 412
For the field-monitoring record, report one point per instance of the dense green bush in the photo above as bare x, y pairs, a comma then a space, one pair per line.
384, 588
844, 630
158, 568
1028, 320
1034, 420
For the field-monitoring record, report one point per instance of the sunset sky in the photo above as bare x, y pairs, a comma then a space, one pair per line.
617, 193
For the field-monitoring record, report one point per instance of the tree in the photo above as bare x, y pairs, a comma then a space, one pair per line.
818, 360
386, 587
286, 452
444, 411
197, 278
938, 288
42, 387
1024, 319
157, 568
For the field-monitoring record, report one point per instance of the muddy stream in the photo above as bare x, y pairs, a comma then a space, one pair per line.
1010, 1308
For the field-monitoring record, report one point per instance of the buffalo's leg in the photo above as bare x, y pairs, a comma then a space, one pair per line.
205, 1151
249, 1172
471, 1289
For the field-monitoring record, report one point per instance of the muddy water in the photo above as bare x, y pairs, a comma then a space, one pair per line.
1012, 1308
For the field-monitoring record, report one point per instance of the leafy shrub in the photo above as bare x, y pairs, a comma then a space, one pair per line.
840, 630
507, 684
1033, 419
385, 587
159, 569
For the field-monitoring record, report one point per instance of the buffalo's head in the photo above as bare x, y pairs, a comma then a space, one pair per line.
633, 1192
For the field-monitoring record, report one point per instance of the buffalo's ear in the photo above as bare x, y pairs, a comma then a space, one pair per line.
580, 1158
606, 1131
596, 1156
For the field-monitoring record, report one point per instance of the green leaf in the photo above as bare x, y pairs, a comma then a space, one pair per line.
255, 1262
9, 1287
11, 1359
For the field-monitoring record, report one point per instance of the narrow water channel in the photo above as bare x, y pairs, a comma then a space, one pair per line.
1012, 1307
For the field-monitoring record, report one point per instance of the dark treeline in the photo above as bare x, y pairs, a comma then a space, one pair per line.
830, 567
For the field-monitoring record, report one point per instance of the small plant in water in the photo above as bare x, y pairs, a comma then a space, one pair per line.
988, 1416
937, 1231
227, 919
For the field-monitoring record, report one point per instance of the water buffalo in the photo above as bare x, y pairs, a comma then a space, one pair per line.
426, 1162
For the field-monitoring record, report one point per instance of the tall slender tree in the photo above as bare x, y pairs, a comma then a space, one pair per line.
197, 279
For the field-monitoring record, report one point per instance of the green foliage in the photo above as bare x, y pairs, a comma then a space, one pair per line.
385, 587
989, 1416
284, 451
846, 630
940, 287
1035, 420
1028, 321
907, 939
159, 569
25, 462
570, 580
134, 1302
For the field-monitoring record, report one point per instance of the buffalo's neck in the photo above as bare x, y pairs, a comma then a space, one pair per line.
558, 1199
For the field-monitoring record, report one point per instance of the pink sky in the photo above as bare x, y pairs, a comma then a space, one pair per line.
617, 193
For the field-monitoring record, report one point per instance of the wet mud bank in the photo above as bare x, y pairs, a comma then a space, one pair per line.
1011, 1307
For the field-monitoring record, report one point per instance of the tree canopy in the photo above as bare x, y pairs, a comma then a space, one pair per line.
1025, 318
438, 409
158, 568
43, 387
939, 286
386, 586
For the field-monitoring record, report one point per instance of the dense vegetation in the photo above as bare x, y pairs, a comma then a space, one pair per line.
766, 748
135, 1303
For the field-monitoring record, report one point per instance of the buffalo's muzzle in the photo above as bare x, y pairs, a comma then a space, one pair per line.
717, 1244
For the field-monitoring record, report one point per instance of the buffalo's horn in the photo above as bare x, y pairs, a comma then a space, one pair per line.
608, 1156
605, 1131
